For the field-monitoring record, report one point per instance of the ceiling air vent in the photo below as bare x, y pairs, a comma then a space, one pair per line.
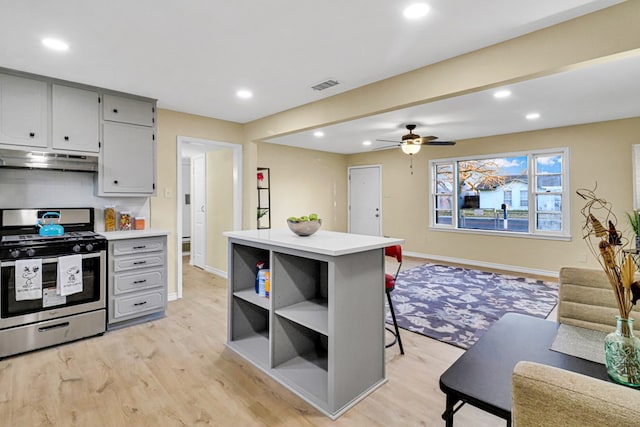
325, 84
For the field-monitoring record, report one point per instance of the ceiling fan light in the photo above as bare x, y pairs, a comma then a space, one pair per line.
410, 148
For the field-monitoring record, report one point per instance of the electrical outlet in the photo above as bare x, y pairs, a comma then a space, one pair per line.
582, 258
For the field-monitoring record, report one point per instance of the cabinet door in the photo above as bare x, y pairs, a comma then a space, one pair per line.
128, 159
23, 111
76, 116
127, 110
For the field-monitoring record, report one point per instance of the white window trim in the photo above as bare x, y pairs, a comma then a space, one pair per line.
564, 234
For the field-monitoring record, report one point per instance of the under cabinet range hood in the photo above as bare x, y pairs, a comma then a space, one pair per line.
46, 160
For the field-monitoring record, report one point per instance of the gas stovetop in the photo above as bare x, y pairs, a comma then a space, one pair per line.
28, 239
20, 238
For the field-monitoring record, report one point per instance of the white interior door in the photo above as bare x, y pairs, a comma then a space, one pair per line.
199, 211
186, 199
365, 200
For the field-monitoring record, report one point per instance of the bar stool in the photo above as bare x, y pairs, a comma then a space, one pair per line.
390, 284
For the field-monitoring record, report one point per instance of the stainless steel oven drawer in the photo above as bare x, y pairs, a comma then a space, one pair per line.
124, 283
135, 305
51, 332
132, 263
138, 246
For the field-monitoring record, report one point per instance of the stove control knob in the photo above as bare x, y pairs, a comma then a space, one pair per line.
15, 253
31, 252
89, 247
76, 248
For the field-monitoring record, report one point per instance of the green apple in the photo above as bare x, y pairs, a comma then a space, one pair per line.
313, 217
304, 218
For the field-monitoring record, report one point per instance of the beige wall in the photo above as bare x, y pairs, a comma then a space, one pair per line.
577, 43
219, 206
172, 124
599, 153
306, 181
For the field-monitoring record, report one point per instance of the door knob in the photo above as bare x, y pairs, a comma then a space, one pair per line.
202, 208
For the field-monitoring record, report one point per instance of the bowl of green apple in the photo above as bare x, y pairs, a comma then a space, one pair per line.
304, 225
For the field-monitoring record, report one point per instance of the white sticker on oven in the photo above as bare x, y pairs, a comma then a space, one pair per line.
50, 298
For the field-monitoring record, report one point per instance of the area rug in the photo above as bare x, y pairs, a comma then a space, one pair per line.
457, 305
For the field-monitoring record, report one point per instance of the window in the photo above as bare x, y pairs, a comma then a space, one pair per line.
508, 199
494, 193
524, 198
443, 194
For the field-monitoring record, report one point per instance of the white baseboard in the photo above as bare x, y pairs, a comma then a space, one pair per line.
216, 271
172, 296
495, 266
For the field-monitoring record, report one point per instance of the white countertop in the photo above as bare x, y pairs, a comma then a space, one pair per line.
322, 242
132, 234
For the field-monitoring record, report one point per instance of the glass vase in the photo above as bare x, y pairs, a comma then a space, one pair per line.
622, 354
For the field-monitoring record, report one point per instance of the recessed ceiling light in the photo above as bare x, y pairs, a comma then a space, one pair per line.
416, 10
318, 134
366, 142
55, 44
244, 94
532, 116
502, 94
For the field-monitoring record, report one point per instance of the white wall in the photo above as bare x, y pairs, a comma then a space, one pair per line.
24, 188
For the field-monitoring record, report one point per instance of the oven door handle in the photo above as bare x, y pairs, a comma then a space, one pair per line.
48, 260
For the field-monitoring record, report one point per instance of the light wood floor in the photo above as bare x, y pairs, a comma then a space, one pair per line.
176, 371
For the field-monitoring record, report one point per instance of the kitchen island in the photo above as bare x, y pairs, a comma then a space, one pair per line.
321, 331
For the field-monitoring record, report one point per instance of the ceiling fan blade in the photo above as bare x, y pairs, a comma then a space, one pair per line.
386, 147
388, 140
426, 139
440, 143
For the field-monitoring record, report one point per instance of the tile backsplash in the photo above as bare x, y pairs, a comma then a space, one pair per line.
25, 188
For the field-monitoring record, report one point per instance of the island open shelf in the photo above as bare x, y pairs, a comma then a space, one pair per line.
321, 332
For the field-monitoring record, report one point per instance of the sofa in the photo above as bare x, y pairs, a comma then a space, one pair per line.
547, 396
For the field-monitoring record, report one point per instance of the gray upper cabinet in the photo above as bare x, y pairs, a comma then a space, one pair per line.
127, 110
75, 119
128, 160
23, 111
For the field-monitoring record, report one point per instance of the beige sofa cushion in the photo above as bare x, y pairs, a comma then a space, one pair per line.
586, 300
548, 396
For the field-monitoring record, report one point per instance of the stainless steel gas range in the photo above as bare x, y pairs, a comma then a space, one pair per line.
52, 281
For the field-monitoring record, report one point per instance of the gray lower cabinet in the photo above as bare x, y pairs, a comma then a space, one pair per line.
320, 333
137, 280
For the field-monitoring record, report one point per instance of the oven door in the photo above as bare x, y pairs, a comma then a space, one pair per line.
92, 296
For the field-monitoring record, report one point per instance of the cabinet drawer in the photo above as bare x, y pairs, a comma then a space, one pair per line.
138, 246
127, 110
123, 283
132, 306
132, 263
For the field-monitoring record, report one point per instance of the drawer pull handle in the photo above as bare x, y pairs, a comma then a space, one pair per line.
140, 247
140, 281
139, 262
115, 110
32, 134
140, 303
56, 326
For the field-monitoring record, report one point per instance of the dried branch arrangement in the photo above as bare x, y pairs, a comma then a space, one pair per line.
606, 244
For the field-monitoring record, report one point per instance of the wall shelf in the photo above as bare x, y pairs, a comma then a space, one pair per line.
264, 198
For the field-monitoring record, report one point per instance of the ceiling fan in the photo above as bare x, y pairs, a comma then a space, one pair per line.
411, 142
